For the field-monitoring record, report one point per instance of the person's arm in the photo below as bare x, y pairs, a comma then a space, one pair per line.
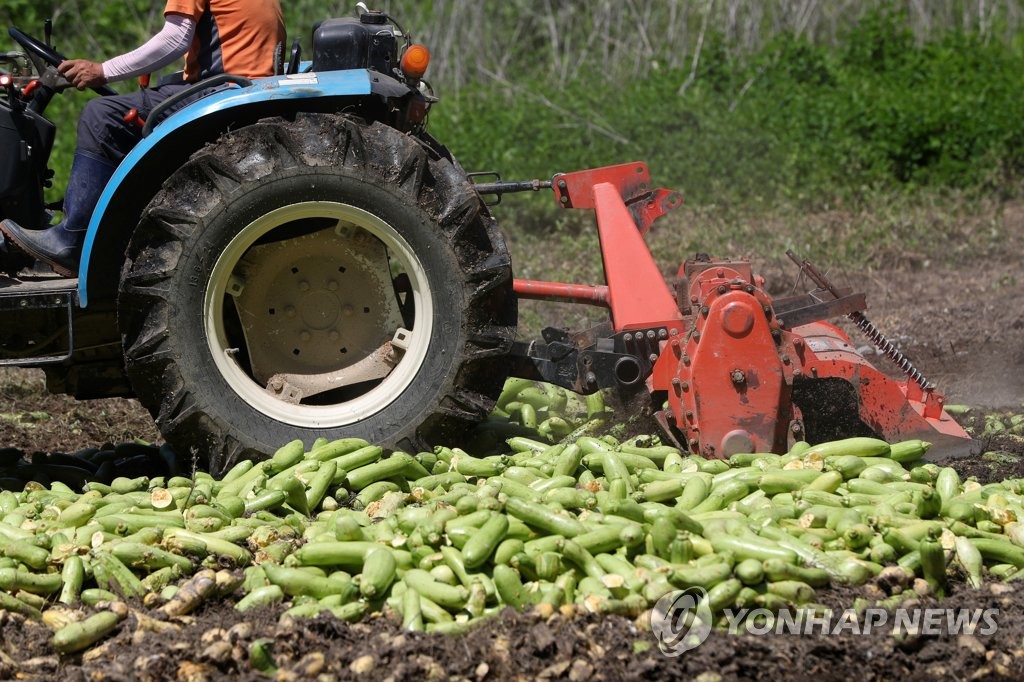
166, 46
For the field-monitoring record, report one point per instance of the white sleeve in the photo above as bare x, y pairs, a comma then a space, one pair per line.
165, 47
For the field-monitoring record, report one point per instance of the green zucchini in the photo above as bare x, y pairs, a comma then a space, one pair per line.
908, 450
448, 596
539, 516
379, 571
80, 635
479, 548
860, 446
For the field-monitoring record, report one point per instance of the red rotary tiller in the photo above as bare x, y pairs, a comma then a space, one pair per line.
736, 369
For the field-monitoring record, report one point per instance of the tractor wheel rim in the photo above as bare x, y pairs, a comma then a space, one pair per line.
224, 350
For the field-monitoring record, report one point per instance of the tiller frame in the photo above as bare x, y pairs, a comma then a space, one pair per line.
739, 370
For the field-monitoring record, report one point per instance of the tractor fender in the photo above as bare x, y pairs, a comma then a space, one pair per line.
170, 144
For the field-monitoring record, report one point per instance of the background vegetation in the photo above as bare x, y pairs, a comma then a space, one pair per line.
864, 132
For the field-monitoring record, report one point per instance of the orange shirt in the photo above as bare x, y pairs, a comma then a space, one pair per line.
240, 37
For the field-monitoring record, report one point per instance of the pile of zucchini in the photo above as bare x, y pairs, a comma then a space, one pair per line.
443, 539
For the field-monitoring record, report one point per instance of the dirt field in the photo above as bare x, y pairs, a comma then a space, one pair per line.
964, 328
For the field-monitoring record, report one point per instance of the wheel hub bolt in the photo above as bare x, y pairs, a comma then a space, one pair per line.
303, 285
738, 377
305, 335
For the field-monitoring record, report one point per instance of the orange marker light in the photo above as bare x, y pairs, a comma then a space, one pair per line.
415, 60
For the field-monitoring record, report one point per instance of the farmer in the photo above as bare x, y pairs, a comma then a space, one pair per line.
240, 37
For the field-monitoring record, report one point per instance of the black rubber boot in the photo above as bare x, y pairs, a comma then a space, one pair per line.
13, 259
60, 246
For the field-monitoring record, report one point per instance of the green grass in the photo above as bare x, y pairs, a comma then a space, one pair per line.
880, 117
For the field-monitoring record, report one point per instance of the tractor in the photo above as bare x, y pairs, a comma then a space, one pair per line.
295, 257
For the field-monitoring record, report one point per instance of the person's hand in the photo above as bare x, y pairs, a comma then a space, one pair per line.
82, 73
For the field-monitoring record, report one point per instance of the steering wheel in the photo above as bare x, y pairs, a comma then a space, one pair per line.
48, 54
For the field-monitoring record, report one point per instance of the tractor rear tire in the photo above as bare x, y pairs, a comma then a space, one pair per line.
199, 354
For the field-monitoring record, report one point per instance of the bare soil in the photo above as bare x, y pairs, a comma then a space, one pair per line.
963, 327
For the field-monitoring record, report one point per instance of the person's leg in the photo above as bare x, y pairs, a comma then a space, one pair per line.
101, 135
104, 134
60, 246
104, 139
